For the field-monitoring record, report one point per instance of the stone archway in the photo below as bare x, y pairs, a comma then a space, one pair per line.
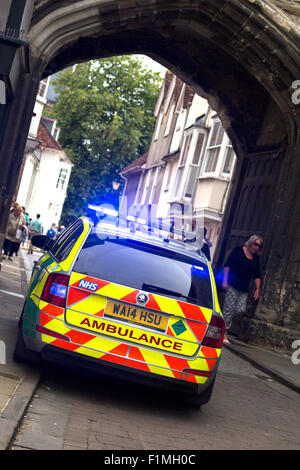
242, 55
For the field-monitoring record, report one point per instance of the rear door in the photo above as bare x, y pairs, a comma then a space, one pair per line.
140, 295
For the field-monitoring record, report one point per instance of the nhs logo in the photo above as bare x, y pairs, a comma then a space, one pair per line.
88, 285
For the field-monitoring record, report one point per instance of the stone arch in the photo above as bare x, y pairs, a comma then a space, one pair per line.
224, 49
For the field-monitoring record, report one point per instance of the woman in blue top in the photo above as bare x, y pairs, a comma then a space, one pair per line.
241, 266
35, 228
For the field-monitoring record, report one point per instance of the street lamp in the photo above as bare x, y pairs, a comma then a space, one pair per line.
115, 185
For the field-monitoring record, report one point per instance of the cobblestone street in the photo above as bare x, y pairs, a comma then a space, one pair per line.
248, 410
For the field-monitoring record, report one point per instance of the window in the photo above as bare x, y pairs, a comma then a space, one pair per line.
198, 148
180, 120
168, 273
169, 175
214, 147
43, 88
178, 131
229, 159
50, 124
62, 178
64, 244
146, 187
186, 149
194, 166
54, 209
181, 166
140, 189
154, 186
56, 133
178, 182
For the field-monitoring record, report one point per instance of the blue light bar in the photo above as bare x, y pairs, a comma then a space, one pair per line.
58, 289
104, 210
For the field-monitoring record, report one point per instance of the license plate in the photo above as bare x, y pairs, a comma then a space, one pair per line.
133, 314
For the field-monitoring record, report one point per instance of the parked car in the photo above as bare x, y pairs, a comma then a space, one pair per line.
130, 304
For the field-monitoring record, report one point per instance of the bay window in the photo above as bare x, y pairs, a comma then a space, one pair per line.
214, 147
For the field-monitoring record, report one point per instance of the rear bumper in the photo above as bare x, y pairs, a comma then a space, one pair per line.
59, 356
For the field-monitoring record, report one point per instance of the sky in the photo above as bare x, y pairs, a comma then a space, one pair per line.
153, 65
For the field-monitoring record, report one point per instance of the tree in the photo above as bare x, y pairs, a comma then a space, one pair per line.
105, 112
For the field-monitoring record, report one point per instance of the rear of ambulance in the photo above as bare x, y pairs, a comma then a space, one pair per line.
146, 309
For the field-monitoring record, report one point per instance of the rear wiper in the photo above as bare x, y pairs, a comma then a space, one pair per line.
161, 290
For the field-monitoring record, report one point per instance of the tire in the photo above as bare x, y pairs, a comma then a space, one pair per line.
21, 316
197, 400
22, 353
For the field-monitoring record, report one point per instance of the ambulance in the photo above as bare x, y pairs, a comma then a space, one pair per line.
136, 305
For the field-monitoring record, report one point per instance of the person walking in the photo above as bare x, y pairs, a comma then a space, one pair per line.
24, 232
241, 266
35, 228
15, 225
25, 215
51, 233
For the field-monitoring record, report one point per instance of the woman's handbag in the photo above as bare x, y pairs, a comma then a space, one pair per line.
22, 233
19, 234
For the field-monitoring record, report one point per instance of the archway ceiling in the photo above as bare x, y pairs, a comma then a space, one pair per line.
231, 51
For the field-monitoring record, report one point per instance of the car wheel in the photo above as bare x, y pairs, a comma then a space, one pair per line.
22, 314
197, 400
22, 353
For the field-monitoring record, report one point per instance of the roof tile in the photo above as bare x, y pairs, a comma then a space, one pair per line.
45, 137
136, 164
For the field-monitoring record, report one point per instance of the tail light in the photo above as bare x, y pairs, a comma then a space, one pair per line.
55, 289
202, 373
45, 331
215, 333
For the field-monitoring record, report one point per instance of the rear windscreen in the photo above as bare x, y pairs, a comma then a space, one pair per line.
147, 268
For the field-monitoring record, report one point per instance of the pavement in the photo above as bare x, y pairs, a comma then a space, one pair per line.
18, 382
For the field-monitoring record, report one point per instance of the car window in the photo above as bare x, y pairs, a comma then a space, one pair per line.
146, 268
64, 244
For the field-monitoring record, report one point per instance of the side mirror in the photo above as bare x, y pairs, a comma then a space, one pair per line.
43, 242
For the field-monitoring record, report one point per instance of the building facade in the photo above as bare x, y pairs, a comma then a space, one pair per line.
185, 176
46, 168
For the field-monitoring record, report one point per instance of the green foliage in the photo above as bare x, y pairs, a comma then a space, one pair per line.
105, 111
